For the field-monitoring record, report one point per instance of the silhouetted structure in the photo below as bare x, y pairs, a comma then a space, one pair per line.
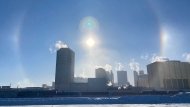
169, 75
64, 69
97, 84
79, 87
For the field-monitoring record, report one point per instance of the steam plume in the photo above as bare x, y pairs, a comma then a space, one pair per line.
134, 65
156, 58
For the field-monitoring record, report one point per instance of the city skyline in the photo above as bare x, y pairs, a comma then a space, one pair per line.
126, 35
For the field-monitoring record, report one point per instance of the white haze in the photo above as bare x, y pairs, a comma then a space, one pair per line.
97, 57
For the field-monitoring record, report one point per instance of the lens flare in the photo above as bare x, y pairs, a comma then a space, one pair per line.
89, 24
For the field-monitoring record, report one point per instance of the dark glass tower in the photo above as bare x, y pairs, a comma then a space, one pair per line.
64, 75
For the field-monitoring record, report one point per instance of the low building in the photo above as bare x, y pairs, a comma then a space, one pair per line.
44, 85
5, 87
97, 85
81, 87
80, 80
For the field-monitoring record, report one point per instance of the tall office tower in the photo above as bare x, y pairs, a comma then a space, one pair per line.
169, 75
64, 69
135, 77
122, 77
100, 73
112, 77
142, 80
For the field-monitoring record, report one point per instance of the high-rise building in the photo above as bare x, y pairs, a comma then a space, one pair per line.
135, 77
140, 79
100, 73
122, 77
143, 81
97, 84
112, 77
64, 75
169, 75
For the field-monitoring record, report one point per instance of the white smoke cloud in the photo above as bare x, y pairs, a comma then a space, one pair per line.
97, 66
83, 75
134, 65
109, 84
25, 83
186, 56
156, 58
144, 56
119, 67
108, 67
59, 44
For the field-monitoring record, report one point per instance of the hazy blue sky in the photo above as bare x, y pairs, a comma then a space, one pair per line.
130, 32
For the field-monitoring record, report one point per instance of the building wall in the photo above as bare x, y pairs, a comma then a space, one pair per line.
150, 75
141, 72
172, 75
188, 72
135, 77
122, 77
155, 76
184, 75
81, 87
80, 80
112, 77
64, 69
143, 80
97, 85
100, 73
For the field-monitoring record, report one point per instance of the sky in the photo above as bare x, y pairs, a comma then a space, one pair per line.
127, 35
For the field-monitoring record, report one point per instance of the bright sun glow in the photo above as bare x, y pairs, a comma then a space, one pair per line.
90, 42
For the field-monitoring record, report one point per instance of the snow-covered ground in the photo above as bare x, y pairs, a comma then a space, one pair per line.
113, 105
182, 98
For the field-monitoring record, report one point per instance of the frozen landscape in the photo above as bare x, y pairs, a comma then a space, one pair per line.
112, 105
181, 98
